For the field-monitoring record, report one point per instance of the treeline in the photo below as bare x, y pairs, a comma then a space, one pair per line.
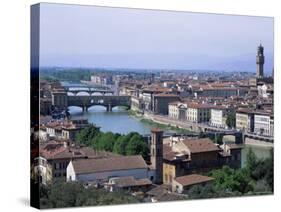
72, 75
255, 178
130, 144
72, 194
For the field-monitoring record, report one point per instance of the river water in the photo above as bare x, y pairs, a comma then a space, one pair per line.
119, 121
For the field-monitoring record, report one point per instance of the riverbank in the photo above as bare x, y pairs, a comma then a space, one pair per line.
253, 142
155, 123
179, 128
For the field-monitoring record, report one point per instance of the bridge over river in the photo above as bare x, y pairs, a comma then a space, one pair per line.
62, 100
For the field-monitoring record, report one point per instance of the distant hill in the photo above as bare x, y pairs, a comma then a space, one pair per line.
161, 61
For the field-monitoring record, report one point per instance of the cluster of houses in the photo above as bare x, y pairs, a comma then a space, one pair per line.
209, 102
257, 121
176, 163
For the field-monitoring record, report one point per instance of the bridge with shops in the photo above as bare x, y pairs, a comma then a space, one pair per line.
62, 100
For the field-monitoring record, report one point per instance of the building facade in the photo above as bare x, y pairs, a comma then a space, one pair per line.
198, 113
264, 124
218, 117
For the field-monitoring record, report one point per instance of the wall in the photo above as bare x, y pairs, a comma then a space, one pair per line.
136, 173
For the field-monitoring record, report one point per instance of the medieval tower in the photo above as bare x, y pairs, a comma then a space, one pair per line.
260, 62
156, 150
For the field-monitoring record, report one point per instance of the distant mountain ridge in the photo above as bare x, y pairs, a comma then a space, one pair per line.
160, 61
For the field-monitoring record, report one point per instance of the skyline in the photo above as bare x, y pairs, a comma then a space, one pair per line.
151, 39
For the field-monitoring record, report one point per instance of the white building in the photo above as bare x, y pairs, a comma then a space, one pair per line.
177, 110
263, 124
198, 113
218, 117
42, 170
101, 170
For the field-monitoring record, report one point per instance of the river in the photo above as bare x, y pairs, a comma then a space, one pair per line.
119, 121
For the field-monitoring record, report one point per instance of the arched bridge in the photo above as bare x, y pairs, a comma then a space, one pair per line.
90, 91
61, 100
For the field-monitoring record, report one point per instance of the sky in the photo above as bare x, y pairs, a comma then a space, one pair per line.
89, 36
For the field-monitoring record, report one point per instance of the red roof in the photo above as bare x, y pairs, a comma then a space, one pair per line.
193, 179
200, 145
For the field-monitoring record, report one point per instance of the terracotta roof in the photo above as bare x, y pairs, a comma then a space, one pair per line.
158, 190
200, 145
84, 166
234, 146
131, 181
56, 150
168, 153
156, 130
165, 95
193, 179
198, 105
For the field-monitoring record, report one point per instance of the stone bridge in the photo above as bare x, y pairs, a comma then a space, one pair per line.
61, 100
89, 91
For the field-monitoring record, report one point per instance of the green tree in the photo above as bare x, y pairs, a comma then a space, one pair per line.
231, 120
137, 146
106, 141
120, 145
70, 194
251, 162
86, 135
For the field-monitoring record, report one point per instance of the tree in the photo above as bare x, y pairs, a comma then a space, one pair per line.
120, 145
86, 135
231, 120
106, 142
71, 194
137, 146
251, 162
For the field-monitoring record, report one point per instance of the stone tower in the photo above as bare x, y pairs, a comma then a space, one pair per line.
59, 99
260, 61
156, 150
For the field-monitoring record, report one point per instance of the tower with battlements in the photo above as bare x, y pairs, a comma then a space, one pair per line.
260, 62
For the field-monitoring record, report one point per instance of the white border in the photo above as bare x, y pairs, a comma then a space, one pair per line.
14, 59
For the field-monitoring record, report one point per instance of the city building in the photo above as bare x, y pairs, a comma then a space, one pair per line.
216, 91
177, 110
64, 129
183, 183
42, 170
102, 79
219, 116
161, 102
263, 123
128, 183
196, 155
58, 154
99, 171
245, 120
198, 113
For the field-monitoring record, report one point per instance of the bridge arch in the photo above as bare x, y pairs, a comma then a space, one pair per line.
75, 109
96, 93
123, 107
82, 93
70, 93
97, 106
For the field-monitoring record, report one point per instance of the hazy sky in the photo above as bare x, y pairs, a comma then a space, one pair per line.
133, 38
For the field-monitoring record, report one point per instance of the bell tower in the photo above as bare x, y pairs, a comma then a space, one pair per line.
156, 152
260, 62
